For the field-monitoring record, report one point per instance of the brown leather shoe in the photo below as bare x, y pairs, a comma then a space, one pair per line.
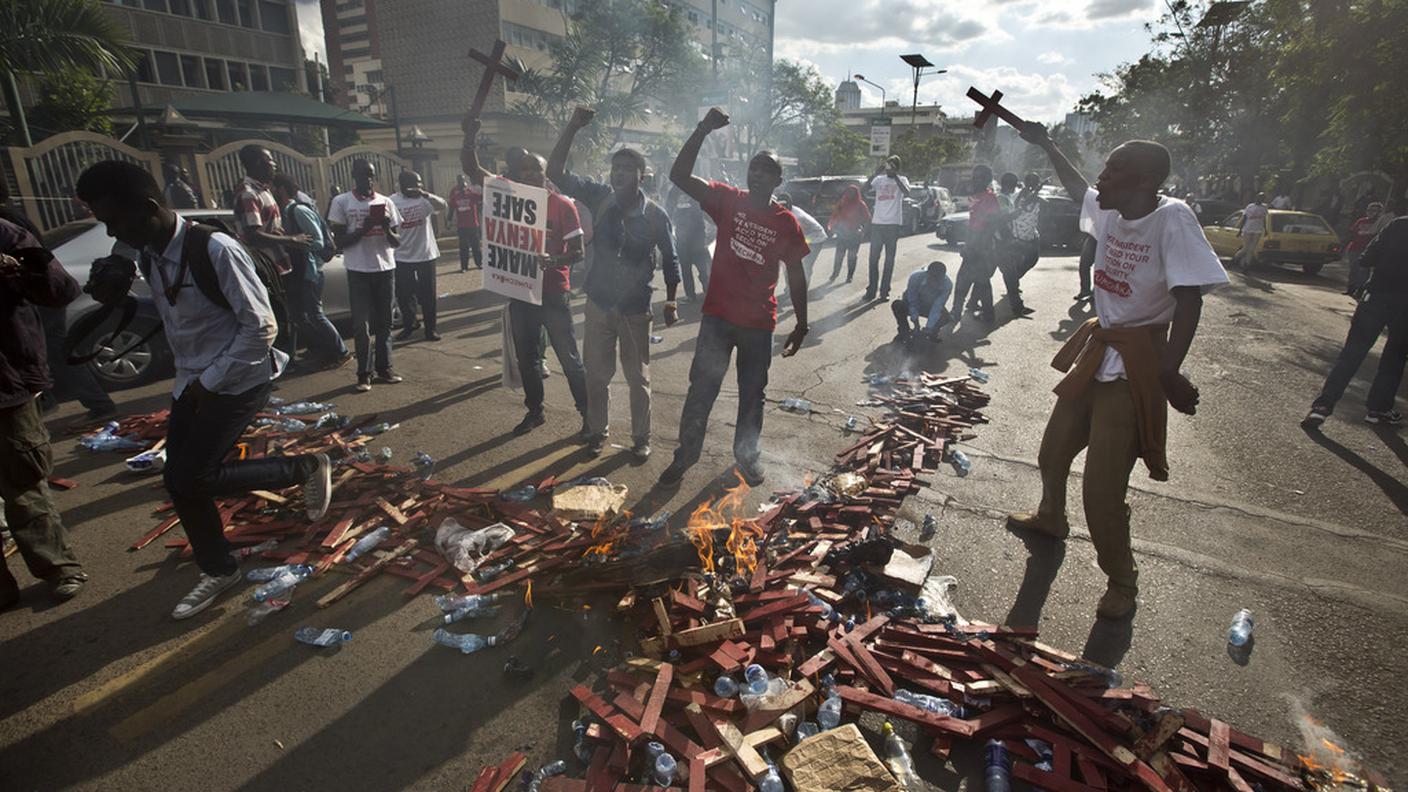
1031, 521
1117, 602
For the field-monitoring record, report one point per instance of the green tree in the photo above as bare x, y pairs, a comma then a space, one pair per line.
47, 36
832, 150
922, 154
627, 59
72, 99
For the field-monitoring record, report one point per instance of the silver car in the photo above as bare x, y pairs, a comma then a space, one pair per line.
76, 245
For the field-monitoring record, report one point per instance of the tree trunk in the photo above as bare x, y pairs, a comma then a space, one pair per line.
12, 101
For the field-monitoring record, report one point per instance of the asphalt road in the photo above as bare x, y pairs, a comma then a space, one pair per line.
1307, 530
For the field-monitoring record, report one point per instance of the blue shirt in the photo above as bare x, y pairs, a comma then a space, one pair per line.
228, 351
300, 219
624, 244
927, 298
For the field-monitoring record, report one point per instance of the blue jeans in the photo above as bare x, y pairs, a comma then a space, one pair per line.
715, 345
370, 295
527, 322
305, 309
1377, 313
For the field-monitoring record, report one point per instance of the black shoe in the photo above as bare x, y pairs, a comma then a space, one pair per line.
672, 476
641, 450
885, 297
364, 383
464, 269
431, 336
596, 445
751, 472
901, 338
870, 295
101, 413
388, 377
530, 422
68, 586
1020, 308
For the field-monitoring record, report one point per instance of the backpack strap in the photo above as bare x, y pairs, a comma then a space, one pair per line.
195, 258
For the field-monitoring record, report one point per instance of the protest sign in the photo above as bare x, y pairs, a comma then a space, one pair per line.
515, 228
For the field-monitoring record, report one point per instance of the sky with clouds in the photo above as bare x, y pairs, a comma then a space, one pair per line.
1042, 54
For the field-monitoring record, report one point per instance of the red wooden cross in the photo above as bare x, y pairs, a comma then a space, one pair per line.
493, 66
992, 108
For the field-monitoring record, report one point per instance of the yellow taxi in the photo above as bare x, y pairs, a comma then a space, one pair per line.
1291, 238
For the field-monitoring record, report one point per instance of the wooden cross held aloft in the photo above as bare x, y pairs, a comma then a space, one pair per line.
493, 66
992, 108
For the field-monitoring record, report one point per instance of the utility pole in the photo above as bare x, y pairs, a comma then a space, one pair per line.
318, 78
919, 63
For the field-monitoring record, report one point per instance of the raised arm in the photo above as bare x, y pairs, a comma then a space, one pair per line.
557, 162
469, 152
1075, 184
682, 172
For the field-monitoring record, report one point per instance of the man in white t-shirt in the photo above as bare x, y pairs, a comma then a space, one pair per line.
885, 223
1152, 266
416, 255
366, 226
1281, 201
1253, 226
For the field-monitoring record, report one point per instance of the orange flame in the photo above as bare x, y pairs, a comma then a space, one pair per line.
609, 534
528, 595
726, 512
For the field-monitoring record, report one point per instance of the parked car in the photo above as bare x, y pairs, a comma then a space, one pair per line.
1059, 222
1211, 210
952, 228
1291, 238
818, 195
76, 245
933, 203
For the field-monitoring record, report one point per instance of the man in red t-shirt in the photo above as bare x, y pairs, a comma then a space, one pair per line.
740, 307
466, 199
984, 217
563, 248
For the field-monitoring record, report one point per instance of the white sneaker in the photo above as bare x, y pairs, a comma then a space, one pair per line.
317, 490
203, 594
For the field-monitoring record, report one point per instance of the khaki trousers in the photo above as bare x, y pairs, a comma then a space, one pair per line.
1102, 421
25, 463
604, 330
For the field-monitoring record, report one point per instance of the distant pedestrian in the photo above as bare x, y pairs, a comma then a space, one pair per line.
1022, 249
1361, 232
366, 225
261, 227
1087, 262
631, 239
417, 255
222, 342
1252, 229
303, 289
691, 242
178, 192
975, 273
849, 221
926, 294
563, 249
886, 223
740, 311
30, 276
1384, 308
467, 201
812, 230
1281, 201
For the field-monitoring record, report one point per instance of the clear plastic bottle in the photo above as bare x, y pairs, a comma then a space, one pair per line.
384, 455
376, 429
852, 423
799, 406
1241, 630
287, 425
828, 715
264, 546
582, 749
471, 612
488, 573
424, 464
282, 582
934, 704
107, 439
467, 643
962, 465
929, 528
332, 636
665, 767
265, 574
725, 686
997, 767
899, 761
655, 339
979, 376
449, 603
771, 781
757, 679
521, 494
261, 610
367, 543
807, 729
1044, 754
330, 421
302, 408
545, 772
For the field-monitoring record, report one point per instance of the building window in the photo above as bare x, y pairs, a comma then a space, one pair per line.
258, 77
352, 21
191, 71
284, 80
168, 68
202, 9
215, 74
181, 7
274, 17
239, 77
356, 38
360, 52
145, 73
375, 76
154, 5
246, 8
227, 11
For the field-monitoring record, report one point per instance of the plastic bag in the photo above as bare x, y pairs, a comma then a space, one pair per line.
467, 548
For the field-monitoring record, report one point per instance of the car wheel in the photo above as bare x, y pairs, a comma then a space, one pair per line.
147, 362
1311, 269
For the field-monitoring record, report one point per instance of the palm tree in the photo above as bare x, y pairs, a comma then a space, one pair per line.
50, 35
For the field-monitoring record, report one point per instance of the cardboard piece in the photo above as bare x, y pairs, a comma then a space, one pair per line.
909, 567
839, 760
589, 501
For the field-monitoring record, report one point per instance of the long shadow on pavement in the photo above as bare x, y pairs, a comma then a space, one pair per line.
1044, 558
1395, 489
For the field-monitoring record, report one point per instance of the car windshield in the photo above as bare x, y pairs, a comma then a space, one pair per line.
1299, 224
67, 231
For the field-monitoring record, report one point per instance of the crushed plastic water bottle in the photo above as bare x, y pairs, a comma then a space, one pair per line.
1112, 678
1045, 755
997, 767
364, 456
384, 455
148, 461
535, 781
799, 406
929, 528
979, 376
582, 749
329, 637
302, 408
807, 729
471, 612
282, 582
424, 465
331, 421
107, 439
449, 603
260, 611
655, 339
934, 704
488, 573
367, 543
1241, 630
852, 423
899, 761
828, 715
962, 465
725, 687
262, 547
283, 424
665, 766
521, 494
265, 574
467, 643
757, 679
375, 429
771, 781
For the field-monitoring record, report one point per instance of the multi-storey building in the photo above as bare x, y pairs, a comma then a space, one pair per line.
354, 56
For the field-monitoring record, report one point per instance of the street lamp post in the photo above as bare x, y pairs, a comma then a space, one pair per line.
877, 85
919, 63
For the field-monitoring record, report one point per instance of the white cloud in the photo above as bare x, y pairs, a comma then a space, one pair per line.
310, 29
1054, 58
930, 24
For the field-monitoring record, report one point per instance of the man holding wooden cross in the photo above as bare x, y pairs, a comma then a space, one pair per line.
1152, 266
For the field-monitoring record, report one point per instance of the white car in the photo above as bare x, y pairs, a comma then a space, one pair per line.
76, 245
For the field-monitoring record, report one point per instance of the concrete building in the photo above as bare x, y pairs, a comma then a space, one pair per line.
191, 47
354, 56
848, 96
1082, 124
